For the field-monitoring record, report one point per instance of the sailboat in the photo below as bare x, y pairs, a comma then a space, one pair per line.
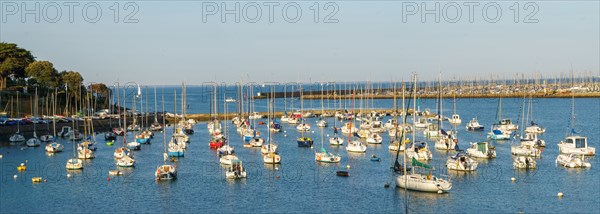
110, 136
455, 119
86, 148
524, 148
17, 136
134, 127
123, 156
418, 149
54, 147
354, 145
177, 144
574, 143
336, 140
303, 127
269, 150
418, 181
395, 144
34, 141
165, 171
474, 125
141, 137
533, 127
225, 148
505, 126
323, 155
74, 163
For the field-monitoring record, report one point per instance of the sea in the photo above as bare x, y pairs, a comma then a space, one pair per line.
301, 185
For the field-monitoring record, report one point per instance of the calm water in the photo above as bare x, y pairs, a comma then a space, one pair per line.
300, 185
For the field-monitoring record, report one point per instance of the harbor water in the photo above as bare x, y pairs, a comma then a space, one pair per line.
299, 184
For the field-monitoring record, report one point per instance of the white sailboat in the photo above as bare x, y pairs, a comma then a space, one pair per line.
74, 163
269, 150
354, 145
165, 171
574, 143
455, 118
54, 147
323, 155
17, 136
418, 181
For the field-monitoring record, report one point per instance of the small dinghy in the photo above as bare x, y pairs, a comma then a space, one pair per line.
375, 158
342, 173
115, 172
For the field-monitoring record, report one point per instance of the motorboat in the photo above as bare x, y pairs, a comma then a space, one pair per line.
356, 146
525, 150
474, 125
461, 162
497, 134
271, 158
336, 141
126, 161
236, 170
481, 150
54, 147
304, 142
74, 164
576, 145
572, 161
374, 138
455, 119
166, 172
524, 162
533, 140
228, 159
327, 157
419, 150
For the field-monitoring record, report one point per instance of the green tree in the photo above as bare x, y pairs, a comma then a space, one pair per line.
73, 81
13, 61
44, 73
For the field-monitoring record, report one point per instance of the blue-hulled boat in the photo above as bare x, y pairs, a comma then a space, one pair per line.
305, 142
144, 140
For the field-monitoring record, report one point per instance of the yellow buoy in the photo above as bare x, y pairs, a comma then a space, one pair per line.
36, 179
347, 166
22, 167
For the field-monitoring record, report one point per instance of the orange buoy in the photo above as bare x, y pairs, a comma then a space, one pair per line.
108, 179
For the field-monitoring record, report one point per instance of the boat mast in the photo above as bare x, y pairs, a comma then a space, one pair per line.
54, 114
163, 120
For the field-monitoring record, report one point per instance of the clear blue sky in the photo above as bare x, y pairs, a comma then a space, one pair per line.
171, 43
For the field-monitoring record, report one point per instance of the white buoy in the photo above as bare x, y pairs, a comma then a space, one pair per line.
347, 166
68, 175
0, 156
440, 191
327, 136
15, 176
560, 194
513, 179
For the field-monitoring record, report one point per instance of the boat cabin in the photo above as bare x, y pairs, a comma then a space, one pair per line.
577, 141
